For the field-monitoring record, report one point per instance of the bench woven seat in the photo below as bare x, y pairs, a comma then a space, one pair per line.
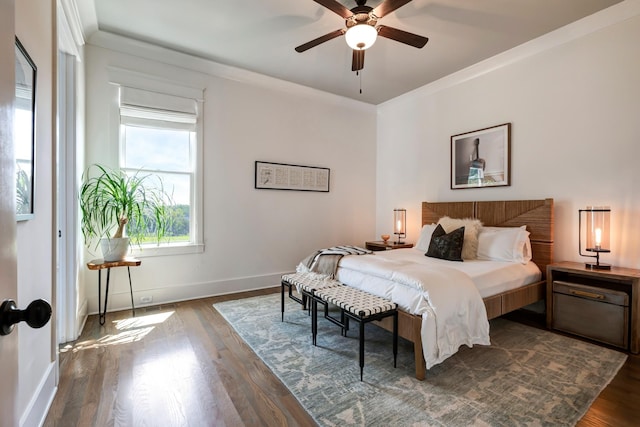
355, 301
307, 284
358, 305
310, 282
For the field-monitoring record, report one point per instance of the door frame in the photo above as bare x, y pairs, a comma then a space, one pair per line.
70, 42
8, 258
67, 295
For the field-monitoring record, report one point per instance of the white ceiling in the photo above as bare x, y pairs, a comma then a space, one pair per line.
260, 36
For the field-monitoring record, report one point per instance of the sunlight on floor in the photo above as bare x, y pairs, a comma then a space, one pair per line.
168, 379
133, 329
138, 322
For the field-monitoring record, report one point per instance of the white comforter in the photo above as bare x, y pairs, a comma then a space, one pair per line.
452, 310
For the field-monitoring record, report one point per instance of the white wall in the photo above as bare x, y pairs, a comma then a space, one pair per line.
35, 29
251, 236
574, 105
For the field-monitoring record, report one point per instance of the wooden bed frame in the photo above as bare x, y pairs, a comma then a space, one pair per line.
537, 215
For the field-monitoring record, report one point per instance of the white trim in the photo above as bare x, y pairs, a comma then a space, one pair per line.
135, 80
85, 10
197, 225
70, 17
38, 407
122, 300
177, 249
67, 214
612, 15
66, 42
145, 81
83, 315
163, 55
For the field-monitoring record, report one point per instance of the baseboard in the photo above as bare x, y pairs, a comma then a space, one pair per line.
38, 407
122, 300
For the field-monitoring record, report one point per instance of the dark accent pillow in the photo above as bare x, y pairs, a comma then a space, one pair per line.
446, 246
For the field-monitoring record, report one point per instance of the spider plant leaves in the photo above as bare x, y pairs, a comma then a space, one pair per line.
108, 197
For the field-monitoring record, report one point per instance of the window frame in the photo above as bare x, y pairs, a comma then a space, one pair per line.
196, 243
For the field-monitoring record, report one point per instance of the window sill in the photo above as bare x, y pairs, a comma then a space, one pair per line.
167, 250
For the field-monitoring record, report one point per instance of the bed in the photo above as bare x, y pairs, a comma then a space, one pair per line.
536, 215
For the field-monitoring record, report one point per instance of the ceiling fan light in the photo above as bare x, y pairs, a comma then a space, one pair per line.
361, 36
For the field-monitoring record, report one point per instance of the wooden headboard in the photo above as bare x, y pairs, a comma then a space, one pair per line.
537, 215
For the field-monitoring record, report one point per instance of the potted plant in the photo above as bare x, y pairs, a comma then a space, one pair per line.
135, 205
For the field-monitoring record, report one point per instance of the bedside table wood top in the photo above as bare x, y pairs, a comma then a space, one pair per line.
581, 268
379, 245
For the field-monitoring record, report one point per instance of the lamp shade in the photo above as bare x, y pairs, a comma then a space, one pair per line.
361, 36
597, 228
595, 231
400, 224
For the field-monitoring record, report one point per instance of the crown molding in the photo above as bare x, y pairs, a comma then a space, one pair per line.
69, 17
189, 62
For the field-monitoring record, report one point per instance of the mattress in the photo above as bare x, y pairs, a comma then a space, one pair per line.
489, 277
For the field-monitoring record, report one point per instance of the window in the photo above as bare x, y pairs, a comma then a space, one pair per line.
159, 136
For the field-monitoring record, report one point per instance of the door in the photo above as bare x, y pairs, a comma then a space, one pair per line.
8, 263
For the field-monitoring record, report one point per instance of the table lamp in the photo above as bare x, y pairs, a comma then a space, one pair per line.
596, 233
400, 224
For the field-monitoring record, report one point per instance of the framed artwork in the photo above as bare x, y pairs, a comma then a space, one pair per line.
280, 176
481, 158
24, 132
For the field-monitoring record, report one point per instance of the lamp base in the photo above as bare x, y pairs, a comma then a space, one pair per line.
597, 266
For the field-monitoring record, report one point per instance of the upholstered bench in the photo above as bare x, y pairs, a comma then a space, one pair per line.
307, 284
360, 306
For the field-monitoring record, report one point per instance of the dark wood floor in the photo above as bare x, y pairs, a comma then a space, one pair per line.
183, 365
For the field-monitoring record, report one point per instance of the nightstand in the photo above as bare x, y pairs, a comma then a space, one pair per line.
379, 245
602, 305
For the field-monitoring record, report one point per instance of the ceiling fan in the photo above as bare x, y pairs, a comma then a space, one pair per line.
362, 29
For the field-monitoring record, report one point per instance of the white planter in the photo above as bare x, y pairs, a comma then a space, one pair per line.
114, 249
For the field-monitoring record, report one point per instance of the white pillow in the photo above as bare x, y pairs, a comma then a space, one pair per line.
425, 237
471, 230
509, 244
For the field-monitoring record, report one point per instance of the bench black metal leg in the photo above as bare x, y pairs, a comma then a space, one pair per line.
361, 348
314, 319
345, 321
395, 338
282, 300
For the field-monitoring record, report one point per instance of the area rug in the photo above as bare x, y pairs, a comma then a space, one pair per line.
527, 376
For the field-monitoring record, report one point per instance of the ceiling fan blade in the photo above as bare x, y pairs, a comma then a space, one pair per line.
357, 62
336, 7
320, 40
402, 36
388, 6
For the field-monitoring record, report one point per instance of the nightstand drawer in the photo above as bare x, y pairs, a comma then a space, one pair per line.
596, 313
590, 292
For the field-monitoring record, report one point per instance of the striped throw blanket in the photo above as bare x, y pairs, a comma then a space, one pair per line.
325, 261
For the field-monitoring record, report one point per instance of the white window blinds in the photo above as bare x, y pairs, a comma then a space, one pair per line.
146, 108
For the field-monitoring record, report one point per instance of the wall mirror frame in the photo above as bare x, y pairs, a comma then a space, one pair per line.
24, 132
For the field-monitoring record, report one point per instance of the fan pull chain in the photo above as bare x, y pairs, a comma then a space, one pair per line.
359, 73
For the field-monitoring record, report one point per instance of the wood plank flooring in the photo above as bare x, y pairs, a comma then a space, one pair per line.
182, 365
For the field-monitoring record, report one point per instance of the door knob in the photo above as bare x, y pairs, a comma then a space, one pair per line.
37, 314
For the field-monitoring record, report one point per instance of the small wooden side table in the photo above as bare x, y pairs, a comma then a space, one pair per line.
379, 245
99, 264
